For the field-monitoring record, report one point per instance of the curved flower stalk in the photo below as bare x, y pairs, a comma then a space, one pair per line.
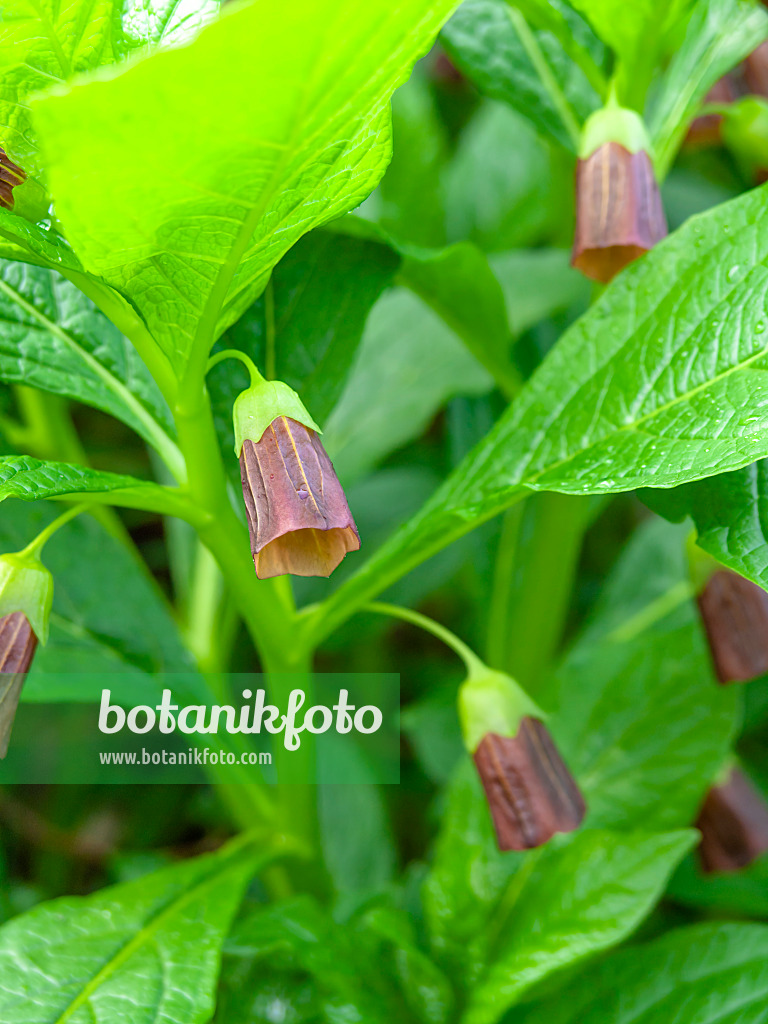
619, 214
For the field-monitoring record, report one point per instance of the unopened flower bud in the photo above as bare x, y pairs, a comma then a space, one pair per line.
745, 133
298, 517
26, 593
734, 612
619, 214
10, 176
734, 825
530, 792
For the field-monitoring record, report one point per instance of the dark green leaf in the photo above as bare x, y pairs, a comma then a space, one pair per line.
408, 365
55, 340
486, 45
30, 479
730, 515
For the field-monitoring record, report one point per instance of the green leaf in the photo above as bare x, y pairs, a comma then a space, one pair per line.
408, 364
459, 285
321, 294
580, 897
486, 44
41, 44
343, 963
150, 948
706, 974
719, 35
356, 837
632, 395
55, 340
538, 283
30, 479
159, 23
730, 515
411, 192
223, 194
742, 893
504, 185
505, 921
636, 713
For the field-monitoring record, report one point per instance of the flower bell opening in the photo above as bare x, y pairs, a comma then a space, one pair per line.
298, 517
734, 825
734, 612
530, 792
11, 175
619, 214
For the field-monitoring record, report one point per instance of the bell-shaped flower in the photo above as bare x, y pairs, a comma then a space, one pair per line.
619, 214
298, 517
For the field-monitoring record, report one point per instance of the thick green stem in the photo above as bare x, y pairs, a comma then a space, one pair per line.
535, 598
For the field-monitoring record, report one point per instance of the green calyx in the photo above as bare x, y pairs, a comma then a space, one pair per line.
613, 123
491, 701
26, 586
260, 405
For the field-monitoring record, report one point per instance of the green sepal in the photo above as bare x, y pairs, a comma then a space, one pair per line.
263, 403
491, 701
614, 124
26, 586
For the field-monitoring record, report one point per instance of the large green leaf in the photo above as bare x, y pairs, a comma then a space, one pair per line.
43, 42
707, 974
506, 921
55, 340
30, 479
149, 949
633, 394
226, 187
504, 185
730, 516
320, 296
487, 46
408, 364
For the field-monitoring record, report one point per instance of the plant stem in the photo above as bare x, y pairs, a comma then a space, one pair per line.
36, 546
467, 655
538, 591
499, 611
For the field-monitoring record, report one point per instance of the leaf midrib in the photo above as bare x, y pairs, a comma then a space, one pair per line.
143, 937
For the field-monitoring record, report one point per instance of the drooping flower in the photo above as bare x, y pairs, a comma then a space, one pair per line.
298, 517
530, 792
733, 822
11, 175
26, 593
734, 612
619, 214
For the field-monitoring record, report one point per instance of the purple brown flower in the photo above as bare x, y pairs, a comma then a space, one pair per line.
10, 176
530, 792
734, 825
619, 215
734, 612
17, 649
298, 516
